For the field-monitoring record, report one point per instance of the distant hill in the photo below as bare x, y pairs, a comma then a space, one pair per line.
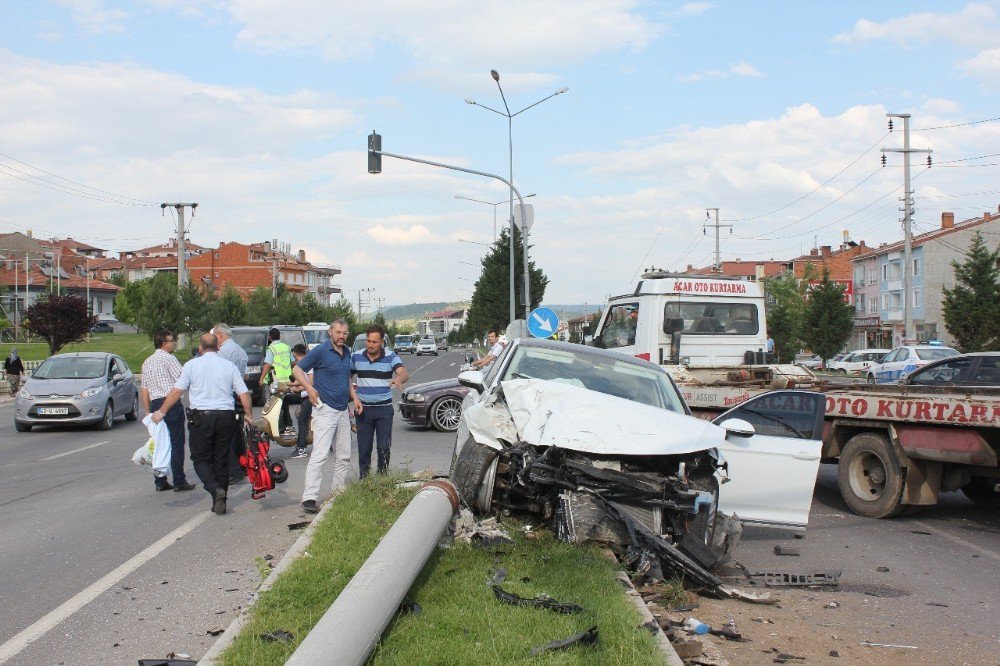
415, 311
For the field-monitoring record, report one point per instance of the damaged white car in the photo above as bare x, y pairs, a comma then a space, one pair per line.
604, 446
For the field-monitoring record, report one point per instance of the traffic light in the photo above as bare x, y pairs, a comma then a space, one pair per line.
374, 153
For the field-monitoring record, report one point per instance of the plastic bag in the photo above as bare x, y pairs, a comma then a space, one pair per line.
159, 456
143, 456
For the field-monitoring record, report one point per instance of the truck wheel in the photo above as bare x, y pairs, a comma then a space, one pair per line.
980, 490
870, 478
870, 379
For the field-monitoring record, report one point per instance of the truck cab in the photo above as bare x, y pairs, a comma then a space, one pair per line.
679, 319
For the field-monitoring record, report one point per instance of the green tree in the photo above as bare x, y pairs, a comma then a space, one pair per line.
785, 312
342, 309
972, 306
312, 310
828, 320
60, 320
491, 299
197, 308
162, 307
288, 310
230, 307
129, 301
260, 307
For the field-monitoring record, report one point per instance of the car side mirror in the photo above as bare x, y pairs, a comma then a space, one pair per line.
737, 428
472, 379
116, 378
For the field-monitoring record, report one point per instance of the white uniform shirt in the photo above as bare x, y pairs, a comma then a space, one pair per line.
210, 381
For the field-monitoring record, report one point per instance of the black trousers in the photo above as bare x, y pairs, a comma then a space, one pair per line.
209, 436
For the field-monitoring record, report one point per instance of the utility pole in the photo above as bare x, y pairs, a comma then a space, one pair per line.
274, 269
717, 226
181, 252
367, 302
908, 332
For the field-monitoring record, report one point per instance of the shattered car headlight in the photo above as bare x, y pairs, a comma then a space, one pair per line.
414, 397
91, 392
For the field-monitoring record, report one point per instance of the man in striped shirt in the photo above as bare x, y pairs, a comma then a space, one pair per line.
377, 372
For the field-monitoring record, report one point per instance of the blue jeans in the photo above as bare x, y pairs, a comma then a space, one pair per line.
374, 422
174, 419
305, 415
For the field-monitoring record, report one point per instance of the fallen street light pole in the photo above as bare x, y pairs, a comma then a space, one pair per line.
351, 628
375, 154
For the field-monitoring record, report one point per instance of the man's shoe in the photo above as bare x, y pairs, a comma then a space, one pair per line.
184, 486
310, 506
298, 453
164, 486
219, 506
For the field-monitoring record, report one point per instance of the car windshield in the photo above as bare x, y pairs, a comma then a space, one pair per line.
71, 367
403, 340
639, 383
251, 341
935, 353
314, 337
427, 341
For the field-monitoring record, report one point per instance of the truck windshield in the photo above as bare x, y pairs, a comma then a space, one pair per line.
316, 336
711, 318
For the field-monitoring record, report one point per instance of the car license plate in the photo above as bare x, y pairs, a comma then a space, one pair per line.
53, 411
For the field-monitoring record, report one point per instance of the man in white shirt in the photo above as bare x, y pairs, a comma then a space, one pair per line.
210, 381
486, 362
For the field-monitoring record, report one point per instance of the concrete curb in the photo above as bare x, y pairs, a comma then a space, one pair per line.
669, 653
293, 553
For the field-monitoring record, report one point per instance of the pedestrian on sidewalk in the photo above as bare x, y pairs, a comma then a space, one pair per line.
329, 393
229, 350
378, 372
210, 381
300, 397
159, 374
14, 368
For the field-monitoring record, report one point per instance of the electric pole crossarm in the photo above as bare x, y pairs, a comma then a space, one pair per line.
181, 230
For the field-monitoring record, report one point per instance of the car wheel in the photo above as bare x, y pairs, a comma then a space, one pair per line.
133, 414
980, 490
108, 420
870, 379
22, 427
468, 469
870, 478
445, 414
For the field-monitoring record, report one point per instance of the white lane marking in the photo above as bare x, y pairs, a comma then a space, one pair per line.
82, 448
45, 624
968, 544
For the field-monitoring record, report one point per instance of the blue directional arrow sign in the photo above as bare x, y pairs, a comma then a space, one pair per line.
542, 322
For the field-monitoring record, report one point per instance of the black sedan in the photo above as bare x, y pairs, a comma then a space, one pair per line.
436, 404
976, 369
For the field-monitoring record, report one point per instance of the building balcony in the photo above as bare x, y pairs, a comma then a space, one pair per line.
892, 315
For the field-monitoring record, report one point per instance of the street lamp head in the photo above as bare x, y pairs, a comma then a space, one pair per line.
495, 75
469, 100
562, 90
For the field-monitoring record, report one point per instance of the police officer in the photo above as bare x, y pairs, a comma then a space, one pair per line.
278, 361
210, 382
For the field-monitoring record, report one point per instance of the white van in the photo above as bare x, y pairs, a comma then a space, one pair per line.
316, 333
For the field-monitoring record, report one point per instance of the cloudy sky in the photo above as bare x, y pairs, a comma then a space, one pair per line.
773, 112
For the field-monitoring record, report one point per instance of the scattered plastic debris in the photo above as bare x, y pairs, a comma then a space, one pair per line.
298, 526
588, 637
786, 550
888, 645
277, 636
538, 602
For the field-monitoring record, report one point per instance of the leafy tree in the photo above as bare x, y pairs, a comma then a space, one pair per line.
828, 320
785, 311
197, 308
118, 279
162, 307
129, 301
229, 307
260, 307
60, 320
972, 306
343, 309
491, 299
288, 310
312, 310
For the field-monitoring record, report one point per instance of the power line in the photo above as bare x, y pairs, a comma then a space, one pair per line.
973, 122
818, 187
93, 193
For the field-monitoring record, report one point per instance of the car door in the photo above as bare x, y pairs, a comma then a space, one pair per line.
884, 371
125, 387
947, 373
772, 474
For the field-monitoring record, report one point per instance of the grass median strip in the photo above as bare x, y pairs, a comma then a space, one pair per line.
460, 620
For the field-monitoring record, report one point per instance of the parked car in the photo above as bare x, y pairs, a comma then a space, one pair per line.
253, 339
427, 346
977, 369
77, 388
811, 361
316, 333
833, 364
857, 363
626, 414
102, 327
901, 361
443, 344
435, 404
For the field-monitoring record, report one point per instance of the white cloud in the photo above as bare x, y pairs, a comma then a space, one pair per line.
974, 24
511, 36
694, 8
741, 68
985, 65
93, 16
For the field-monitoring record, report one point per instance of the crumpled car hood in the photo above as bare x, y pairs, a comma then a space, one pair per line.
551, 413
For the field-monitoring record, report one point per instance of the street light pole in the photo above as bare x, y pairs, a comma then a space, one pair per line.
490, 203
510, 164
